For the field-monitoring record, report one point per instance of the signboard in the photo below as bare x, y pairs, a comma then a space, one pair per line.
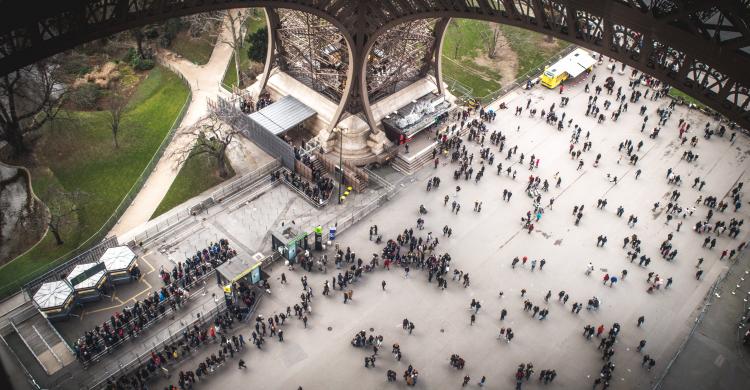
98, 267
255, 274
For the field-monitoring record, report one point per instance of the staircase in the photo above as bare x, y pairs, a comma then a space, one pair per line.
408, 165
43, 341
317, 166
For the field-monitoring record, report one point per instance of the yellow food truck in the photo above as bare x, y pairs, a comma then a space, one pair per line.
570, 66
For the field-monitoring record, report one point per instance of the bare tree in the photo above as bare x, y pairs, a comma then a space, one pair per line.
490, 38
116, 107
458, 41
117, 99
63, 209
212, 137
29, 97
232, 21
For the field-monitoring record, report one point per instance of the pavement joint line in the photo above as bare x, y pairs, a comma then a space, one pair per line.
218, 226
148, 264
629, 169
719, 160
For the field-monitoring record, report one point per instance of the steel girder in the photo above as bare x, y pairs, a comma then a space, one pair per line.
700, 46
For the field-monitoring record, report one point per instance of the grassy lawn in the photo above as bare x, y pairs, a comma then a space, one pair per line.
464, 43
255, 21
230, 76
197, 175
532, 48
479, 85
196, 50
76, 152
676, 93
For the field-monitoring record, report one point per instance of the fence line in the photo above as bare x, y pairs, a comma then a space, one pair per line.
91, 255
343, 221
521, 80
178, 216
167, 312
136, 362
119, 210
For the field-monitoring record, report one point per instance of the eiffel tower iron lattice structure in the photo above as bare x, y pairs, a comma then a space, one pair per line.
701, 47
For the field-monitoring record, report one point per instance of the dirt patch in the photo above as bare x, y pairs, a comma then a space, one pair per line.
547, 44
505, 61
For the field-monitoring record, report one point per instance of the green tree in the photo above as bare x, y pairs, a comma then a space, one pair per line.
258, 45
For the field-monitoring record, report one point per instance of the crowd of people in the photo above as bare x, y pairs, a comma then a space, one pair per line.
194, 339
248, 105
415, 248
132, 320
318, 191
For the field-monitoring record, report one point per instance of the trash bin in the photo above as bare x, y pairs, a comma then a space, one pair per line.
332, 233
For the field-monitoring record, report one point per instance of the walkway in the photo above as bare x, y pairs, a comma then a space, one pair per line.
204, 83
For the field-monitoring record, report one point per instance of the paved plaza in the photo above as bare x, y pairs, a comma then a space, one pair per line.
483, 245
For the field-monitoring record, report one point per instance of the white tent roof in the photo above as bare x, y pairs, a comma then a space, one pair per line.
52, 294
282, 115
117, 258
91, 281
576, 62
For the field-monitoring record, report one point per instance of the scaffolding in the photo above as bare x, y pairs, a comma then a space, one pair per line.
399, 57
313, 51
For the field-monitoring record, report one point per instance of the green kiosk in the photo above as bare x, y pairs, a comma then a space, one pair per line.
289, 242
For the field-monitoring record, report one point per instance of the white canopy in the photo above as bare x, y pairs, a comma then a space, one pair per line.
576, 62
89, 282
118, 258
282, 115
52, 294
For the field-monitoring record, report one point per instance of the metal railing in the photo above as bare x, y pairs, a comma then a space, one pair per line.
461, 91
320, 204
348, 218
201, 321
91, 255
100, 234
167, 312
521, 80
138, 360
177, 216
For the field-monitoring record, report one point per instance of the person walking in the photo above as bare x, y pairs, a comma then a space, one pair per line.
466, 380
383, 285
641, 320
484, 379
241, 364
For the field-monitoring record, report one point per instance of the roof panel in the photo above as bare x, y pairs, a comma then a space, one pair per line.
283, 115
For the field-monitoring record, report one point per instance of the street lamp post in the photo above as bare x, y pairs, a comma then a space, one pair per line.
341, 161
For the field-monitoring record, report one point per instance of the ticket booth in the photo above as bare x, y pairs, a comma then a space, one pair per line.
289, 242
55, 299
88, 280
120, 264
237, 274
